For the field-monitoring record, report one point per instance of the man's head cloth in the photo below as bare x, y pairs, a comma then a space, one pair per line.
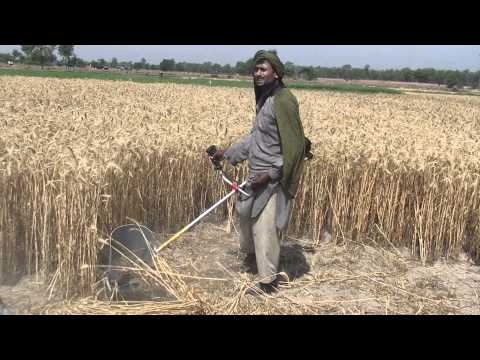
273, 59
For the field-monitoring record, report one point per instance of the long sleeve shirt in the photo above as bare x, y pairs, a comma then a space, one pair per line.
262, 149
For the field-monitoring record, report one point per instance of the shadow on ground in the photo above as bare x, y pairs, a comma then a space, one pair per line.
293, 261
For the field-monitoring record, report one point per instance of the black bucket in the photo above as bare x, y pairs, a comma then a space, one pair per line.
129, 246
137, 239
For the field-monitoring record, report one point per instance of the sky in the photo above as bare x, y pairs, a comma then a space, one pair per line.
454, 57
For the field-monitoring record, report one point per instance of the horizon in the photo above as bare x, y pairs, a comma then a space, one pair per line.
378, 57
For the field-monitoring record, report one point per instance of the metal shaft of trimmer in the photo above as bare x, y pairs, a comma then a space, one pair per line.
200, 217
235, 187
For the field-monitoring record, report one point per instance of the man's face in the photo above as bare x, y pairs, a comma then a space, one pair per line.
263, 74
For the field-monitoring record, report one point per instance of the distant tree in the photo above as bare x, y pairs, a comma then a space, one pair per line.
167, 65
452, 80
465, 77
227, 69
307, 72
206, 67
240, 68
422, 75
39, 54
427, 75
180, 66
78, 62
6, 57
347, 72
366, 70
374, 74
216, 68
358, 73
27, 50
66, 52
319, 71
388, 75
17, 56
406, 74
475, 80
43, 54
245, 68
289, 69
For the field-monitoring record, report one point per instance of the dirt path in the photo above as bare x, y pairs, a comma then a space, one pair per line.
329, 279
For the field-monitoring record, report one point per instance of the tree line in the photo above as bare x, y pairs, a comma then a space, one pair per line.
64, 55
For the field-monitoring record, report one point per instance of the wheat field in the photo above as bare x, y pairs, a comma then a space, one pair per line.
80, 157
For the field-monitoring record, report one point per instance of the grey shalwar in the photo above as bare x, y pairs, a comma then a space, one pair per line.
265, 212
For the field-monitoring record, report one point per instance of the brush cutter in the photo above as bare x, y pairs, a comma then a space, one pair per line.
132, 243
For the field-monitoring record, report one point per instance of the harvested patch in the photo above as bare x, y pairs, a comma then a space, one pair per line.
352, 278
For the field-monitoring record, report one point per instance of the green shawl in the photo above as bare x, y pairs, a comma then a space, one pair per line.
292, 139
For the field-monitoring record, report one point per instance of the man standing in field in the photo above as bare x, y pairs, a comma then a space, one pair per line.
275, 150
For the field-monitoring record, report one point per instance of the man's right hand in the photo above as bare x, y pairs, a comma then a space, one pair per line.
218, 156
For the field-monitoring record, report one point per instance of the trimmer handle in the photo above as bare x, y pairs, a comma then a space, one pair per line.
211, 150
308, 148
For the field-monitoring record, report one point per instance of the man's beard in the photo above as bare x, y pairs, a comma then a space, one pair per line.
260, 82
265, 90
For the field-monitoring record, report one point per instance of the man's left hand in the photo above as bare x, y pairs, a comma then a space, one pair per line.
260, 180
